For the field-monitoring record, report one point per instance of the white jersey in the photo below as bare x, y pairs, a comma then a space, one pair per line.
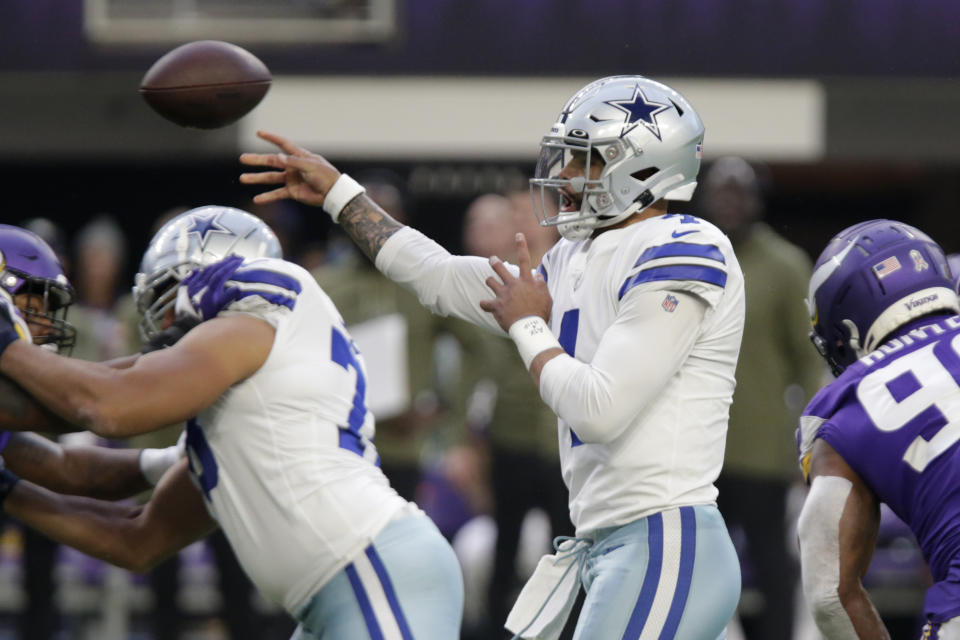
285, 458
651, 317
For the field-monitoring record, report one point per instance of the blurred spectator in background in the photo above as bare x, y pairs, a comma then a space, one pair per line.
777, 373
100, 253
53, 235
517, 427
396, 336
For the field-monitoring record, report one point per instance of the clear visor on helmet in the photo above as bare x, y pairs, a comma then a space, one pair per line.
568, 177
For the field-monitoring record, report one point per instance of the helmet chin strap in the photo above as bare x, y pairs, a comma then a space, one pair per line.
854, 340
578, 228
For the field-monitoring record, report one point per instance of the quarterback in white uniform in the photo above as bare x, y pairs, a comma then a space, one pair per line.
631, 327
279, 442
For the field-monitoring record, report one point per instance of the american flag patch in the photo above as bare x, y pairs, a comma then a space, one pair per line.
699, 151
885, 268
670, 303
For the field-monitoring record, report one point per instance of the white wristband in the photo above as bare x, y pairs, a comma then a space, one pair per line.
155, 462
343, 191
532, 337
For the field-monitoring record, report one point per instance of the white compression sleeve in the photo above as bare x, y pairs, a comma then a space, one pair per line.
444, 283
819, 532
155, 462
597, 399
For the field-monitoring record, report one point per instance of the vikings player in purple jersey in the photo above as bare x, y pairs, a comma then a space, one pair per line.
32, 276
883, 308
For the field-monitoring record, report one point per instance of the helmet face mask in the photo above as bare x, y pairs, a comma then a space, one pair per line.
193, 239
32, 274
871, 279
647, 139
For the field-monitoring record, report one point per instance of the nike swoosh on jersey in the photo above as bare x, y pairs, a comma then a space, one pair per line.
683, 233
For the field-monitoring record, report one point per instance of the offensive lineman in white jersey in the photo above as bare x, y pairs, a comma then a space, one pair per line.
278, 437
631, 328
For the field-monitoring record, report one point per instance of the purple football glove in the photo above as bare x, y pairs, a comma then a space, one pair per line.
207, 291
204, 293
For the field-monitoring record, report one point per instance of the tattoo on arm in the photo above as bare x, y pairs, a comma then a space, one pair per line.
368, 225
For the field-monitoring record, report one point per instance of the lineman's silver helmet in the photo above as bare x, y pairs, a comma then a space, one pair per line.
195, 238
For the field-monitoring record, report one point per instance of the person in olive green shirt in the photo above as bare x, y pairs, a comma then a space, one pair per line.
778, 371
405, 400
518, 429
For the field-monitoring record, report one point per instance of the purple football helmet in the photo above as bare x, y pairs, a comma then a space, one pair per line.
872, 278
29, 265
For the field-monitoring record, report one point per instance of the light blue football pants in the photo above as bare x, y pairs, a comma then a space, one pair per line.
674, 574
407, 585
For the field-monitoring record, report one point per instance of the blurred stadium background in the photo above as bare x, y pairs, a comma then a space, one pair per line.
850, 108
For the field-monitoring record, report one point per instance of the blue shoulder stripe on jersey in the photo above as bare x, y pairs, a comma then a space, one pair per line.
648, 590
4, 439
266, 276
686, 249
389, 591
373, 627
688, 554
698, 272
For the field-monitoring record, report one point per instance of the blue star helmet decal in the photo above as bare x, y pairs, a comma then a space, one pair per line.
205, 224
639, 110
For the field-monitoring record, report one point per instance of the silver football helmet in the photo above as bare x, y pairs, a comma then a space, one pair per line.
194, 238
646, 139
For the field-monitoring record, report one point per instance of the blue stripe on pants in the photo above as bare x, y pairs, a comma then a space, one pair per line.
389, 592
650, 581
364, 602
688, 554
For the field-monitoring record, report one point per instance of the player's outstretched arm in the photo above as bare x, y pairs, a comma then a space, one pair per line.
97, 472
838, 531
447, 285
134, 538
309, 178
161, 388
20, 412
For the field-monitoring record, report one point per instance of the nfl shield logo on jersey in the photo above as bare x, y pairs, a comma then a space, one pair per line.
670, 303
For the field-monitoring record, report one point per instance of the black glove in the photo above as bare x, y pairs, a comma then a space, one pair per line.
171, 335
8, 480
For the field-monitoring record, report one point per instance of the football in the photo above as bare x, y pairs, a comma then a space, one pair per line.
205, 84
